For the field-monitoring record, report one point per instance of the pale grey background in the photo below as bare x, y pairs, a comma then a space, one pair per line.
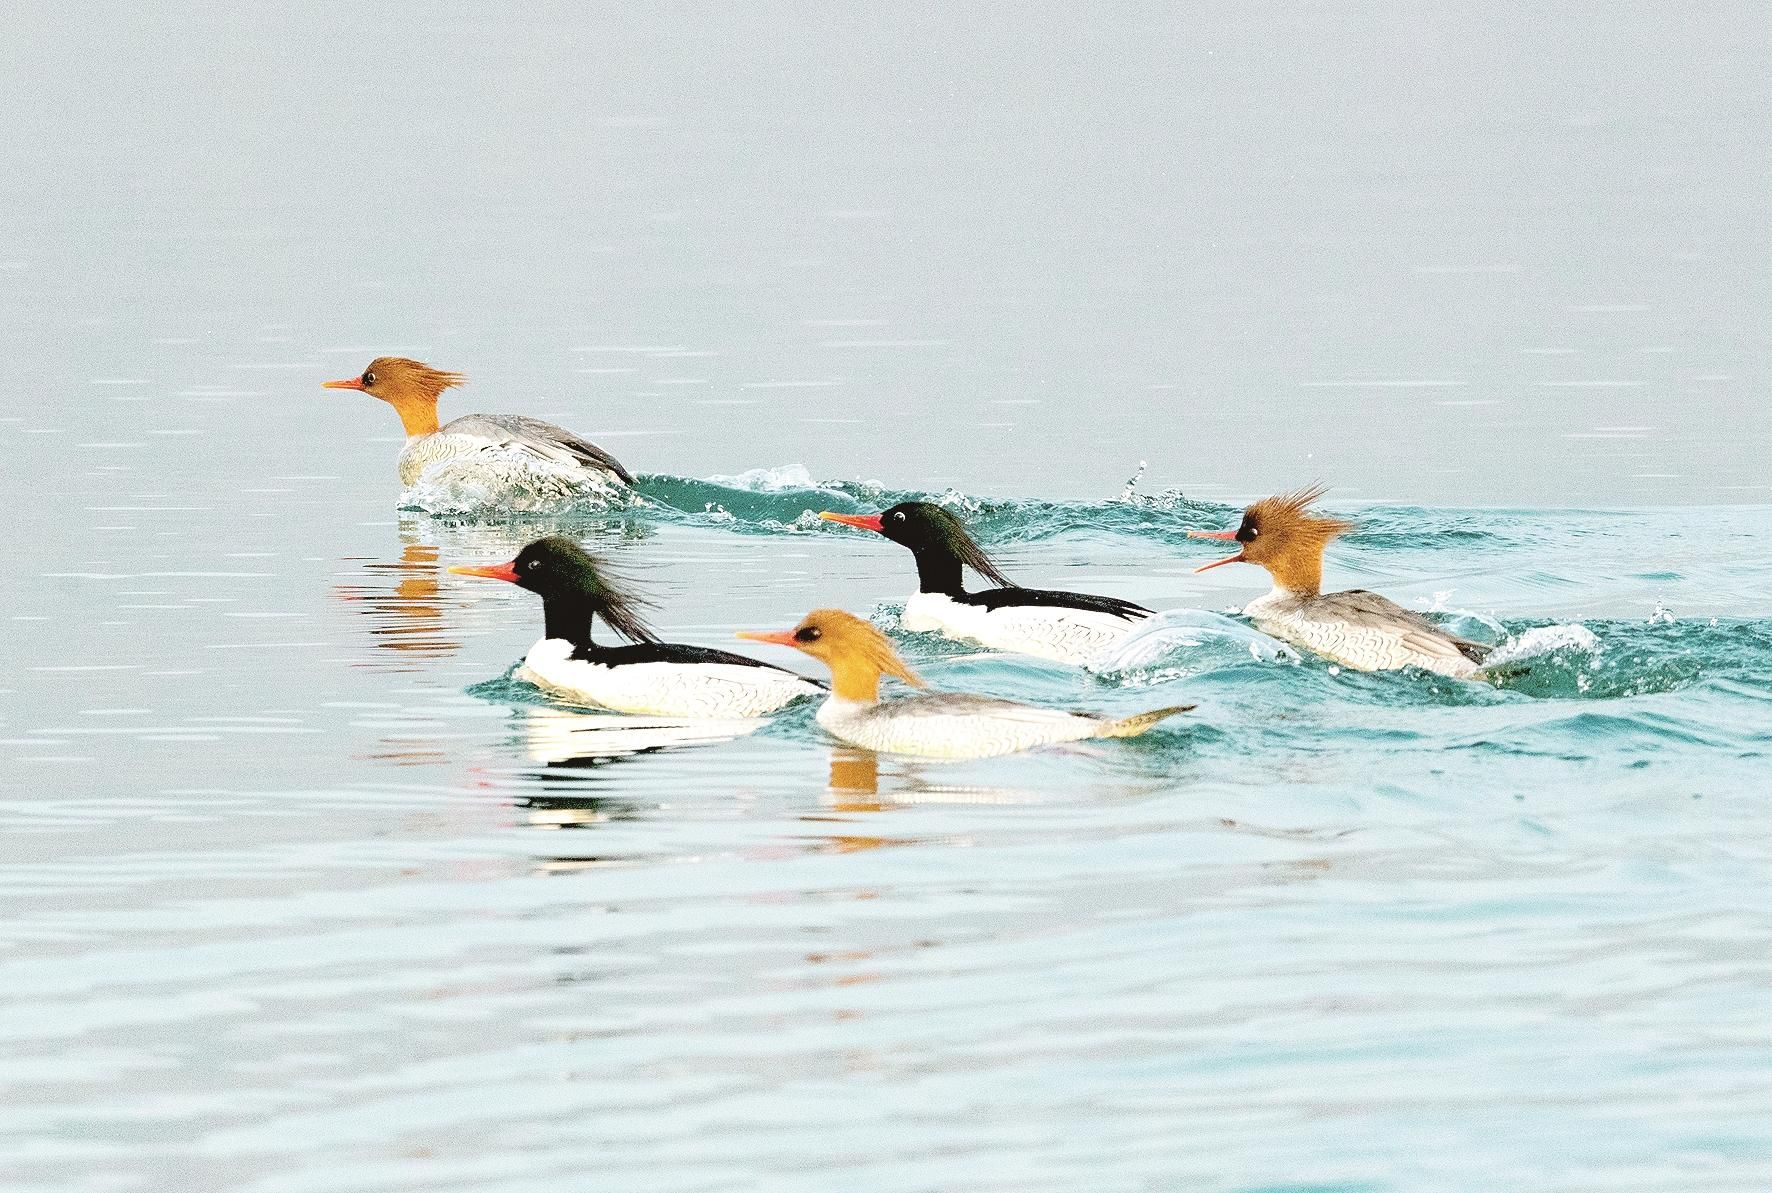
1479, 254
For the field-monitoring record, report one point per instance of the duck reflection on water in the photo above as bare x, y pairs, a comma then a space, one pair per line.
409, 610
573, 752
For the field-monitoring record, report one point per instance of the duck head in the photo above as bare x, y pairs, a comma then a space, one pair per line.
409, 386
856, 652
1283, 535
574, 587
937, 539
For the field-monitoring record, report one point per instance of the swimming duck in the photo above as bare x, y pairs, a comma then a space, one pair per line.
497, 452
649, 677
1067, 627
1356, 628
929, 724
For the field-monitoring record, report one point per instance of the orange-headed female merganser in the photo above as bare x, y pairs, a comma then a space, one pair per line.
1357, 629
649, 677
1067, 627
932, 724
493, 451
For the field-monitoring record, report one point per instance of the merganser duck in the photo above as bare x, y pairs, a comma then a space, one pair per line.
500, 451
1067, 627
932, 724
1357, 629
649, 677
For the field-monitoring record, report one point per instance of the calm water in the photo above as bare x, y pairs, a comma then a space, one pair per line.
299, 892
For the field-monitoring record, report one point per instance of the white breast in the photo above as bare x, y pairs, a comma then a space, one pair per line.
662, 689
1045, 631
926, 727
1366, 644
454, 471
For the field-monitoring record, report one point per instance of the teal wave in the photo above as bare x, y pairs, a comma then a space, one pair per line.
1646, 687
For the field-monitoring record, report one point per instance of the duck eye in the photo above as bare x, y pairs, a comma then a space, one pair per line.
809, 633
369, 378
899, 516
533, 564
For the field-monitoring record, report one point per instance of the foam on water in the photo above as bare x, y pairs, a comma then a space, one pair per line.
1545, 640
1182, 642
323, 897
497, 484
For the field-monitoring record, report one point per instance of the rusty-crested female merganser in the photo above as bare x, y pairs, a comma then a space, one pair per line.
649, 677
931, 724
497, 452
1357, 629
1067, 627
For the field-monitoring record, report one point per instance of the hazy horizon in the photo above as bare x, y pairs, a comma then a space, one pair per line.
1427, 256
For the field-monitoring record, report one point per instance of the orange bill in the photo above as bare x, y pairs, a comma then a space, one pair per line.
871, 522
1227, 536
347, 383
1218, 563
775, 638
492, 571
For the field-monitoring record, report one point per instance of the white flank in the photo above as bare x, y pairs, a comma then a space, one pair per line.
662, 689
943, 726
1063, 635
1371, 642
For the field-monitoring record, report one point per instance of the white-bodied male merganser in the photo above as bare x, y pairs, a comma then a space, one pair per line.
1357, 629
1067, 627
649, 677
930, 724
493, 451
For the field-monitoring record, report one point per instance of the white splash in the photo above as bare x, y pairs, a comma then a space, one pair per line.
1440, 605
807, 522
1182, 629
1544, 640
954, 499
1662, 615
525, 486
781, 478
1130, 491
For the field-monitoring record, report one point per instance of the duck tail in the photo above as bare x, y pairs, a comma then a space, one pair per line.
1136, 724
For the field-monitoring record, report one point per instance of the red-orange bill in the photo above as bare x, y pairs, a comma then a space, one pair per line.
347, 383
773, 637
873, 522
1226, 536
492, 571
1218, 563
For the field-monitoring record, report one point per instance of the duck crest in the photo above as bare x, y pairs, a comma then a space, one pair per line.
857, 654
1282, 534
412, 388
949, 548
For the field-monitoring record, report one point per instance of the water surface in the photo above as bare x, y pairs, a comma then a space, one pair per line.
298, 892
303, 893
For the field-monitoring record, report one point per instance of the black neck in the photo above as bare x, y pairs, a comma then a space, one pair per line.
938, 571
569, 618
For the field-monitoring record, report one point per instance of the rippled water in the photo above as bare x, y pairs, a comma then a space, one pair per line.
300, 891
